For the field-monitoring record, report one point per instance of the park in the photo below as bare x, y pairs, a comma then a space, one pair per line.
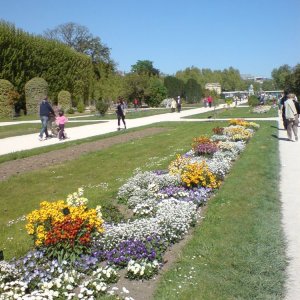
182, 204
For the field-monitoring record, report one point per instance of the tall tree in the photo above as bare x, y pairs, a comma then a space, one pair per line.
279, 75
80, 39
144, 67
174, 86
192, 91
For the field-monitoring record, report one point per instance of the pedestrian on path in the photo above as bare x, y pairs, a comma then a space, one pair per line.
120, 111
178, 104
282, 108
291, 116
61, 120
45, 111
209, 100
173, 105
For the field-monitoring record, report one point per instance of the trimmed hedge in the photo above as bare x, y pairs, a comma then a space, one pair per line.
64, 100
6, 101
36, 90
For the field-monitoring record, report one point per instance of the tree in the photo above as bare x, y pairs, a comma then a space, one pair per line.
192, 91
268, 85
174, 86
144, 67
80, 39
292, 81
155, 93
135, 86
279, 75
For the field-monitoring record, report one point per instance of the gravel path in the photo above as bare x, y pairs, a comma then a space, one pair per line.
290, 197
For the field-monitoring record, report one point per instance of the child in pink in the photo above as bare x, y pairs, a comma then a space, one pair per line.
61, 120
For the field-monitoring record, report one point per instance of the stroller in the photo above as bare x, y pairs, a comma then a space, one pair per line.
52, 127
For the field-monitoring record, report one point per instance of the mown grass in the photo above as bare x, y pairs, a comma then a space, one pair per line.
234, 112
28, 128
26, 153
112, 166
237, 252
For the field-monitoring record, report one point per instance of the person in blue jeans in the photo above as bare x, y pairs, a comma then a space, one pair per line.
45, 111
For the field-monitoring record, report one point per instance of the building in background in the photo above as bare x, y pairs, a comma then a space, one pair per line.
214, 87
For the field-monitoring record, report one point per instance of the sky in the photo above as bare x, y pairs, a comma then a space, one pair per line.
253, 36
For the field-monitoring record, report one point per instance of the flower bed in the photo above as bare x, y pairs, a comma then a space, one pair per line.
72, 241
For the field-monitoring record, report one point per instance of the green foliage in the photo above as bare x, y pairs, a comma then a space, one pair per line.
279, 76
144, 67
78, 92
102, 106
24, 56
155, 93
292, 81
64, 100
174, 86
36, 89
135, 86
228, 101
80, 107
71, 111
253, 101
192, 91
6, 98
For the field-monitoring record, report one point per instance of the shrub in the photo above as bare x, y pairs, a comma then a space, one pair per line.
64, 100
8, 97
36, 89
71, 111
80, 107
102, 106
253, 101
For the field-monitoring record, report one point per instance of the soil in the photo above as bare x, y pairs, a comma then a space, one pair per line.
54, 157
137, 290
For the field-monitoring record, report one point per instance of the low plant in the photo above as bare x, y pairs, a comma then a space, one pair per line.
204, 146
65, 232
199, 175
142, 269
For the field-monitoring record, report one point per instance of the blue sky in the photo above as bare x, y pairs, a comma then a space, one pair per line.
253, 36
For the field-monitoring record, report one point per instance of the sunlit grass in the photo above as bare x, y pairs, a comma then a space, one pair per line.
234, 112
237, 252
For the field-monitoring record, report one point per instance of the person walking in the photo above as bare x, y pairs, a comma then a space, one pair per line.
45, 111
178, 104
209, 100
135, 103
173, 105
120, 111
61, 120
291, 116
282, 108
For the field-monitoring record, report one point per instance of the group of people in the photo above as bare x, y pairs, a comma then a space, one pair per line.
208, 101
47, 114
290, 109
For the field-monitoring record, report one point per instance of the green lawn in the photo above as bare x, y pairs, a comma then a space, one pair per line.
234, 112
237, 252
89, 170
28, 128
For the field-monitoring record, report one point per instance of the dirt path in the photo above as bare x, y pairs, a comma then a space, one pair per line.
40, 161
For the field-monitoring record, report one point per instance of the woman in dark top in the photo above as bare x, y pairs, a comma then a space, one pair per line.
120, 111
